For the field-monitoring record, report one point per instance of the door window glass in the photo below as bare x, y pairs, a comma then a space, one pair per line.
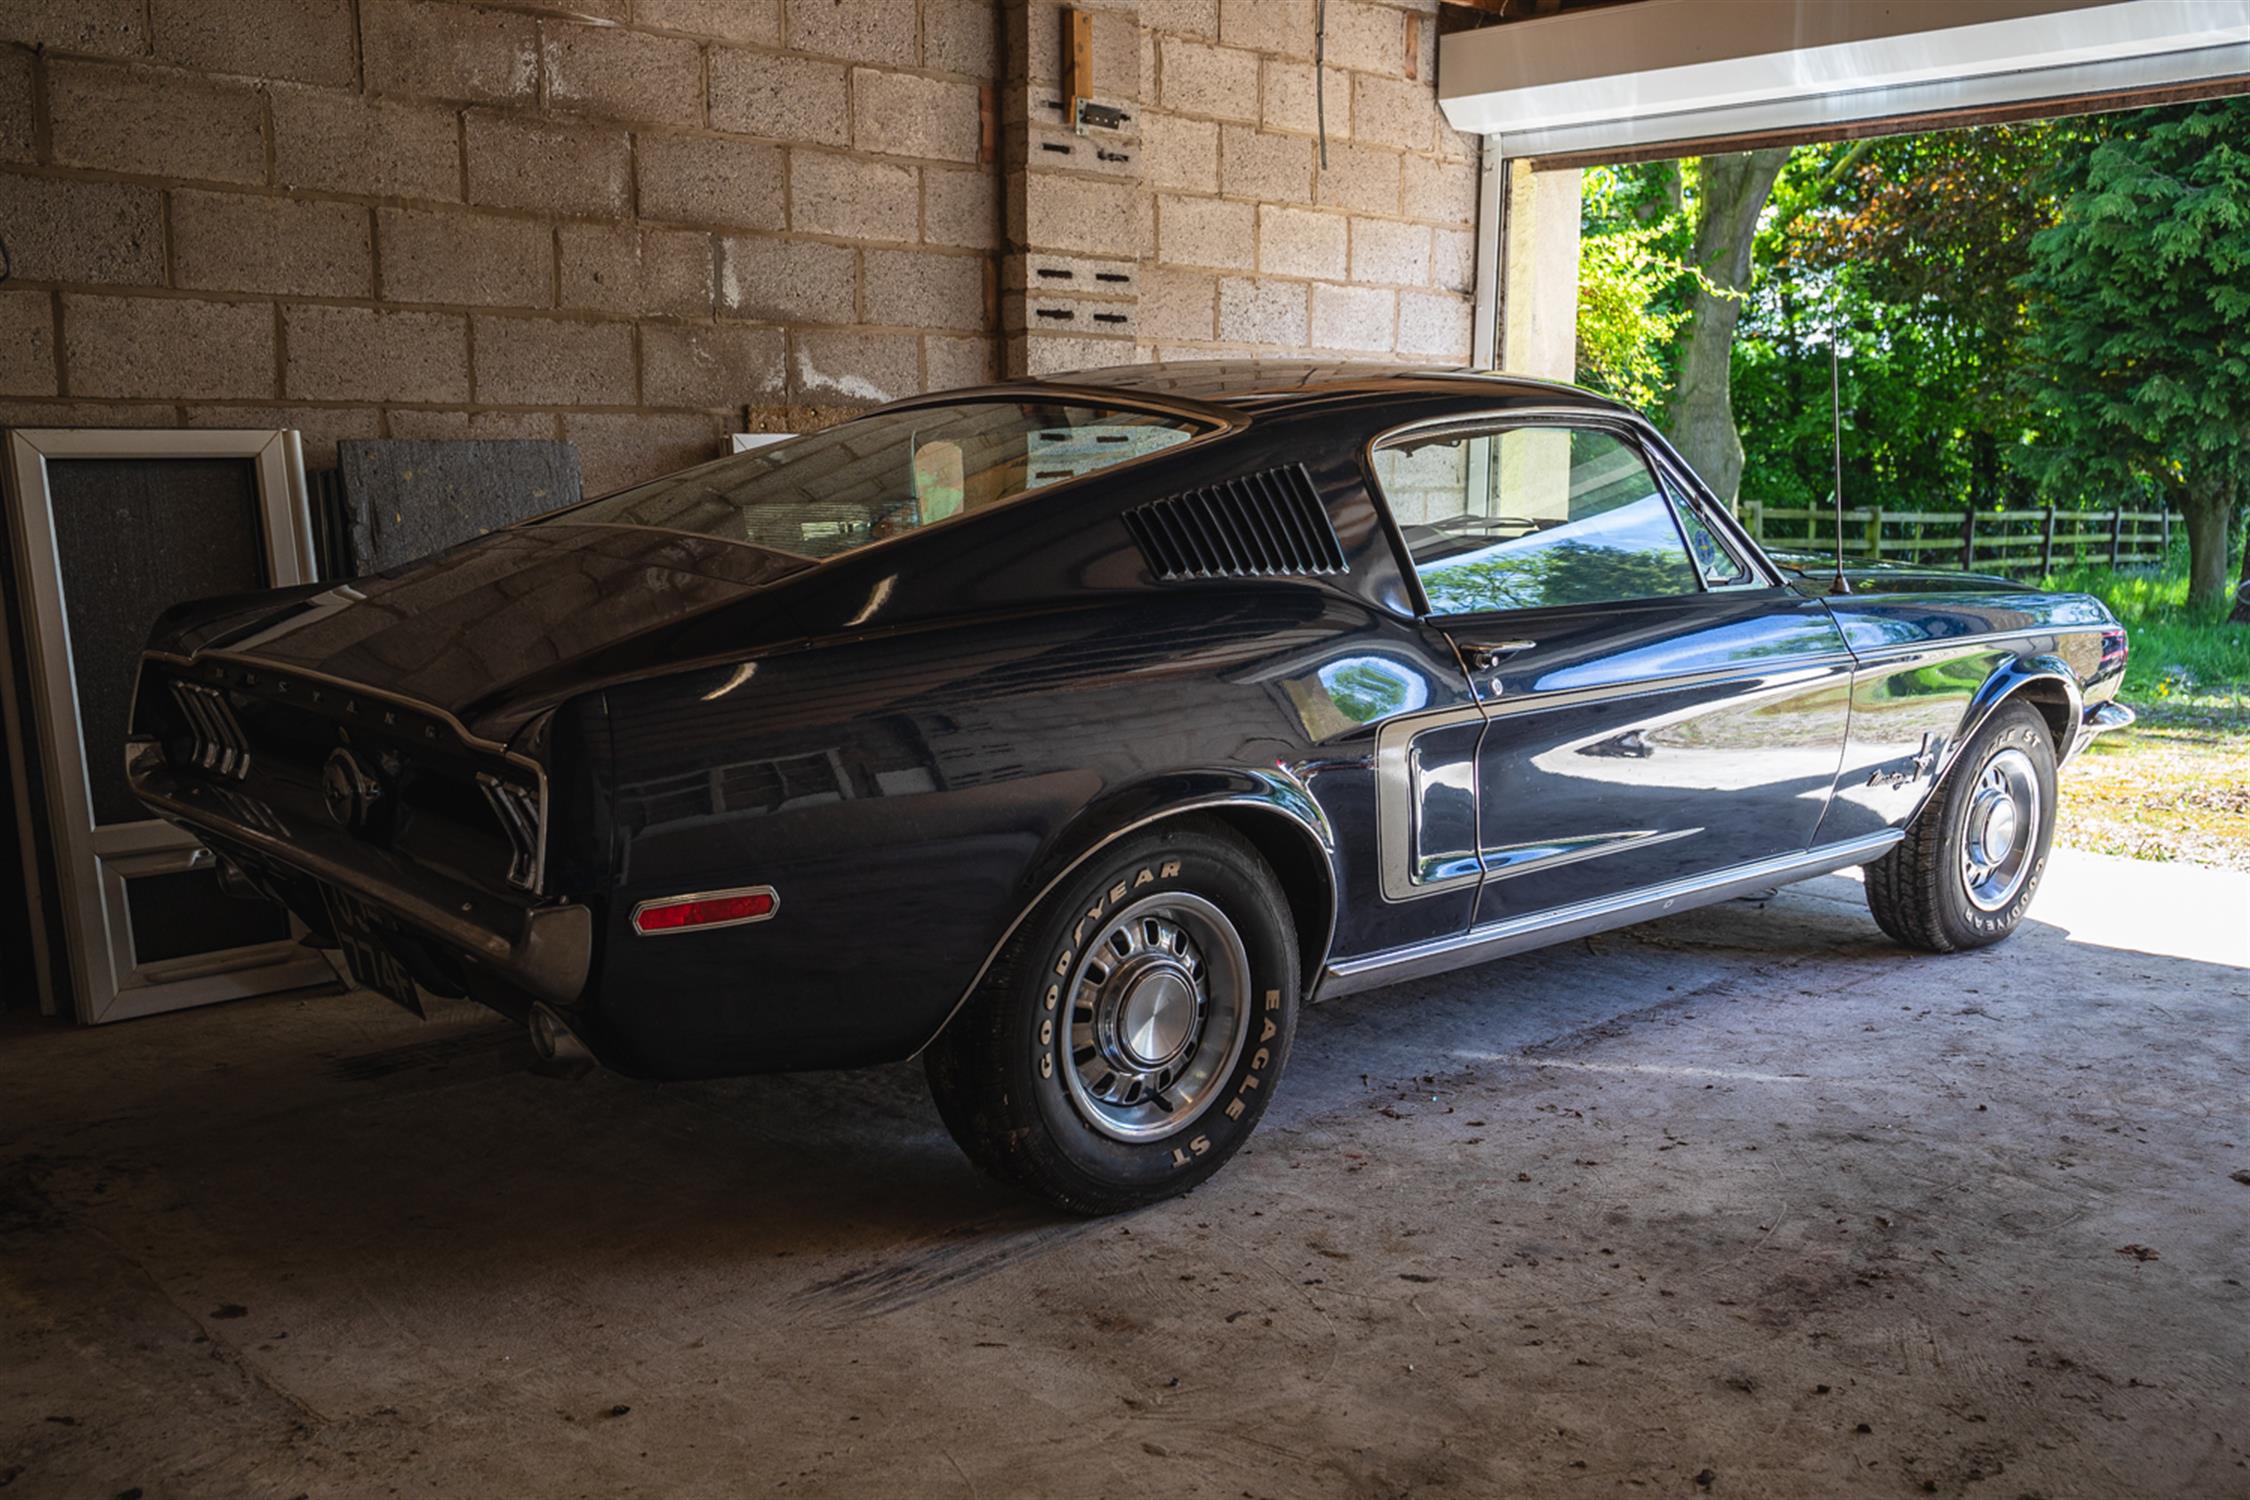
1530, 517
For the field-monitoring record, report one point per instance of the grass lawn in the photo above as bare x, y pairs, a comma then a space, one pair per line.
2177, 784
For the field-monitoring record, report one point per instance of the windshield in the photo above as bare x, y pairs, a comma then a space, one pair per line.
888, 473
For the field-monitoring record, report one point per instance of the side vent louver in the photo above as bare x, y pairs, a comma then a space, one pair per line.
1263, 525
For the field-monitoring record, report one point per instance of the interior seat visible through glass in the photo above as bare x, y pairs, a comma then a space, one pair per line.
1530, 517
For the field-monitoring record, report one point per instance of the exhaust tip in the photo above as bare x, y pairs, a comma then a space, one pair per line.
561, 1054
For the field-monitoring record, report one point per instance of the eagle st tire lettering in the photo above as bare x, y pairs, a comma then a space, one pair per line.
1056, 1076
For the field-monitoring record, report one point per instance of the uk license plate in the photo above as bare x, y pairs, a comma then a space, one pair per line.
359, 935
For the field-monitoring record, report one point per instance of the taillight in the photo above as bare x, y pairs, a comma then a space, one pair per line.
705, 909
2113, 649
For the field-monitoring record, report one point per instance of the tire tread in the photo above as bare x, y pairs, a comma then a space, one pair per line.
1905, 888
966, 1063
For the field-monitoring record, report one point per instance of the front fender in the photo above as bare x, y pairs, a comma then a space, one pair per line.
1917, 705
2045, 680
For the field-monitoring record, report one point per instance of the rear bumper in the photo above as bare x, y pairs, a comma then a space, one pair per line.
543, 952
2100, 719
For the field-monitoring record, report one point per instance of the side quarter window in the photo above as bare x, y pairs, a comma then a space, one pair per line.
1527, 517
1714, 559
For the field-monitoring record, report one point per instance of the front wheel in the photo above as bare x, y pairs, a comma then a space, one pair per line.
1968, 868
1129, 1035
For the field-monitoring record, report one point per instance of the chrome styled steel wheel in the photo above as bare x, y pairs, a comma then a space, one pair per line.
1132, 1030
1970, 864
2000, 834
1158, 1008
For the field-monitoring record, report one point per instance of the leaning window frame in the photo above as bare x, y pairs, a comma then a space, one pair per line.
1631, 432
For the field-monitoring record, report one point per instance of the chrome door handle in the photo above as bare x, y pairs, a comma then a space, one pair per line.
1483, 656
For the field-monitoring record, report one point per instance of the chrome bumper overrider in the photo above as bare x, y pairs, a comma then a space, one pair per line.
2101, 719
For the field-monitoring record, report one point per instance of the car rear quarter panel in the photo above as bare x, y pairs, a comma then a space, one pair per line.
908, 794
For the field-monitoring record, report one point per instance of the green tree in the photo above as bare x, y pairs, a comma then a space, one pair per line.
1624, 323
1732, 194
2139, 352
1908, 246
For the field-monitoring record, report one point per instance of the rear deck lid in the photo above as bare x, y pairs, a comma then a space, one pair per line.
464, 631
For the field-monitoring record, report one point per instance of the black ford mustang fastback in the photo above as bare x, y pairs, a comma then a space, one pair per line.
1074, 733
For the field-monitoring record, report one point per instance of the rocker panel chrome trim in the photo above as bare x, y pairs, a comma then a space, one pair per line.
1419, 960
1509, 861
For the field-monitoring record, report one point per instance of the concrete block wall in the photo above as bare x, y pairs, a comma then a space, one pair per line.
1253, 245
633, 224
641, 224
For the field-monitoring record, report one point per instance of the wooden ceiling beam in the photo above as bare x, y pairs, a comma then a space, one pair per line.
1509, 10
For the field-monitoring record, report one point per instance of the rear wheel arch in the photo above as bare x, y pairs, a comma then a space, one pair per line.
1295, 855
1293, 845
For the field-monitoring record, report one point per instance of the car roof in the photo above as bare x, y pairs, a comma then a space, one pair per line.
1272, 385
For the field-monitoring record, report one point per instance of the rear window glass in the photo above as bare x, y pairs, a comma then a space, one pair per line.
888, 473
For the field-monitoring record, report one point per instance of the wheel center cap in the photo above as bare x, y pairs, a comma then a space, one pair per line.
1156, 1016
1999, 829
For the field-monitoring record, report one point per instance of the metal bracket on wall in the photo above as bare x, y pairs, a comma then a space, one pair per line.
1078, 77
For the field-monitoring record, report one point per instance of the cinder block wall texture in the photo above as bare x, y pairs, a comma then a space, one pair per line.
641, 224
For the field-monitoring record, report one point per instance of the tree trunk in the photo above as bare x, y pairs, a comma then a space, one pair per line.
2209, 514
1735, 188
2241, 612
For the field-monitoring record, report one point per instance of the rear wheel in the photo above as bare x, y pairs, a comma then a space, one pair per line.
1128, 1037
1969, 866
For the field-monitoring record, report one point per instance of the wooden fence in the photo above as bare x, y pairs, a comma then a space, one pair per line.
2015, 543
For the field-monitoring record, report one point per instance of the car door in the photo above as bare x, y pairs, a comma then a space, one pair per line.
1658, 707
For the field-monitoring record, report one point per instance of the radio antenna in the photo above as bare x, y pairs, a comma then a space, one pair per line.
1836, 427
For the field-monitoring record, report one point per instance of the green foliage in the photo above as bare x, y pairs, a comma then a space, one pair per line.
1632, 280
2138, 356
1905, 248
2050, 312
1625, 327
2179, 652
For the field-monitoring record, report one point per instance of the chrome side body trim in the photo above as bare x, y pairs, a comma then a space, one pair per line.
1955, 645
1398, 787
1547, 854
1418, 960
1784, 676
1319, 836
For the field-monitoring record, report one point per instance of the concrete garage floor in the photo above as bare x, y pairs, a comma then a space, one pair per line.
1746, 1203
